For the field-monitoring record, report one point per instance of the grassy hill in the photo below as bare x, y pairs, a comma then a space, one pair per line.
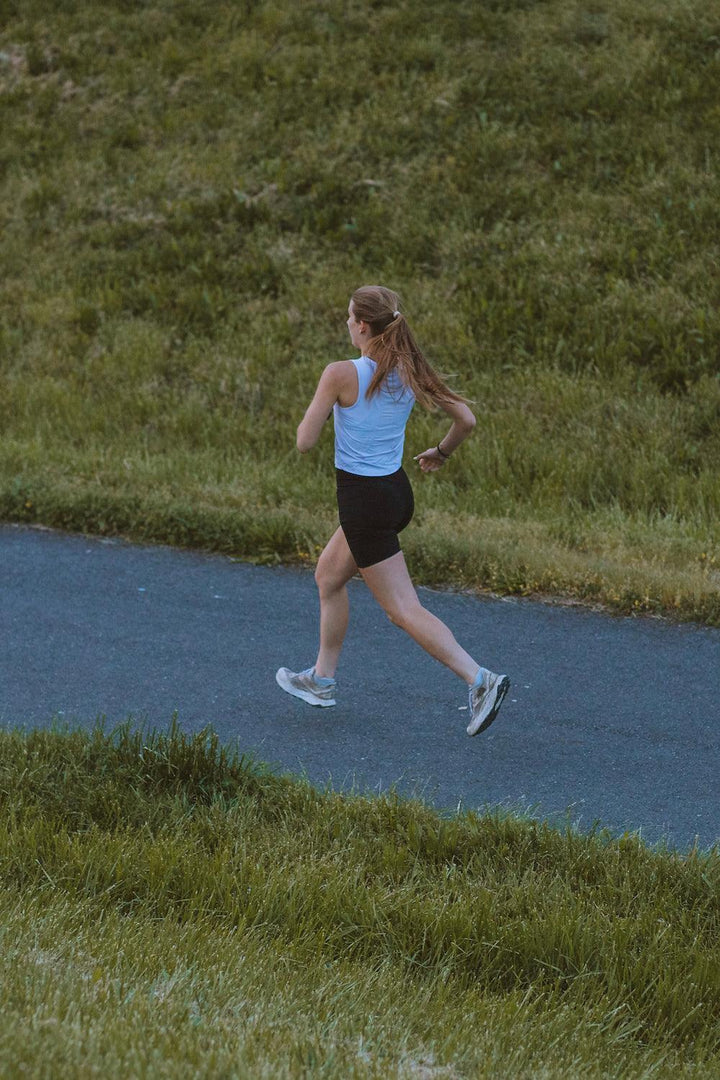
171, 910
189, 193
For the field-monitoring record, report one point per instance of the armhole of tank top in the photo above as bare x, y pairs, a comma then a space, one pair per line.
346, 408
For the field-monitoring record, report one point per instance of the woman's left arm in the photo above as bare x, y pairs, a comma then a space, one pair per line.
320, 408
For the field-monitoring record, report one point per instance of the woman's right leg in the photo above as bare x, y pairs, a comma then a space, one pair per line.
335, 568
390, 584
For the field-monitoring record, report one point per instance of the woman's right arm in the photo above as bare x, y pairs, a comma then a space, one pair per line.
463, 421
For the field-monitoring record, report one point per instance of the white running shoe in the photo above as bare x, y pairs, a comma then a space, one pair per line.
303, 684
485, 700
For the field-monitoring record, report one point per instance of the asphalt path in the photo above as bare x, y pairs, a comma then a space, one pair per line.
609, 722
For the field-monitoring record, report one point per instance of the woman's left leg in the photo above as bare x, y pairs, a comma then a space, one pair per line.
390, 584
335, 568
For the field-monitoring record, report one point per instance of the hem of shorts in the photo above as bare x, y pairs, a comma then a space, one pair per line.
376, 562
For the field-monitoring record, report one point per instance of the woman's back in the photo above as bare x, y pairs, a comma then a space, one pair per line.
370, 434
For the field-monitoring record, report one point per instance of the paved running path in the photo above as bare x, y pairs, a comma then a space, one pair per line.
609, 720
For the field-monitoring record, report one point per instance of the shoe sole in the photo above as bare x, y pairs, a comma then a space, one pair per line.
501, 688
284, 683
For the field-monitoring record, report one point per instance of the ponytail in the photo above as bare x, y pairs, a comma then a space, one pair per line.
394, 349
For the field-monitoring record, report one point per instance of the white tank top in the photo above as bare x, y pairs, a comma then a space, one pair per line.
370, 435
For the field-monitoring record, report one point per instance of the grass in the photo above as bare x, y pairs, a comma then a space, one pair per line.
170, 908
188, 194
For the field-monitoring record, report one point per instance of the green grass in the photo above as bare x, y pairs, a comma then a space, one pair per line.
170, 908
189, 193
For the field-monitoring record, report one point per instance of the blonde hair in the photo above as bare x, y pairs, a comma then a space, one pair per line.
393, 347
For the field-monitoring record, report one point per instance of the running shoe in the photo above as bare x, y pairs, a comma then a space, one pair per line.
303, 684
485, 700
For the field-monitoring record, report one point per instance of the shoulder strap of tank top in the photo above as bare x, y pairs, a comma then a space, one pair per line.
365, 368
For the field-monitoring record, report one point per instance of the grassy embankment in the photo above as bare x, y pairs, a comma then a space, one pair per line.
191, 191
171, 910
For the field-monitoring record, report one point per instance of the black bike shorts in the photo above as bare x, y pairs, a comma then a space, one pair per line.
373, 510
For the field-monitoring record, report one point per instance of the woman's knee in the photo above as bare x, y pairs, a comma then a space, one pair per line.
329, 578
404, 616
322, 577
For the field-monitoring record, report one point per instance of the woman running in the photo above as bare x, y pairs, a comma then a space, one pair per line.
371, 399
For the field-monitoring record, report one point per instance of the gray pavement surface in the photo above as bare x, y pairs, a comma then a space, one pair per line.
610, 721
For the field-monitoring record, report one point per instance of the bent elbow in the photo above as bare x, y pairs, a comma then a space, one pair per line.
302, 442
